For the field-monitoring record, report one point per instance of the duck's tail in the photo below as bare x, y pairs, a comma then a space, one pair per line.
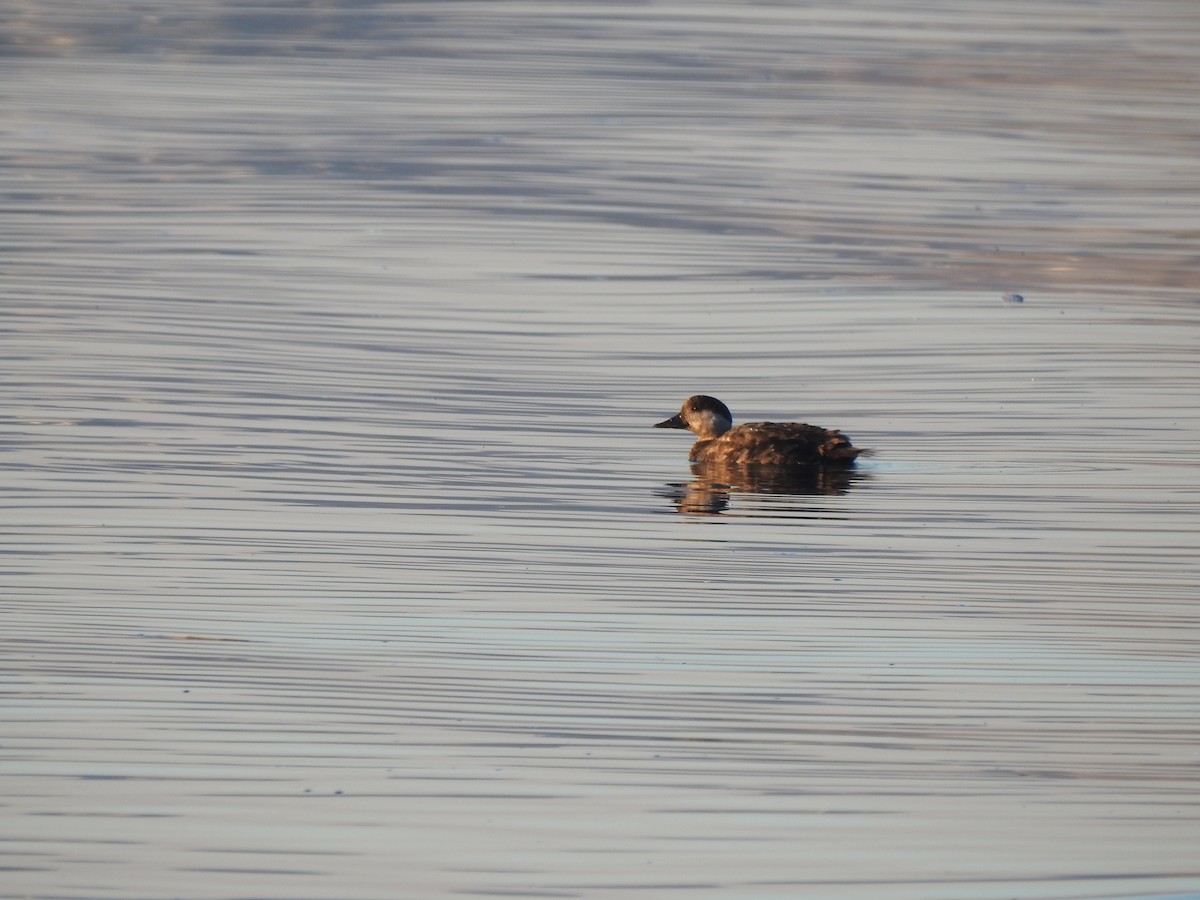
839, 449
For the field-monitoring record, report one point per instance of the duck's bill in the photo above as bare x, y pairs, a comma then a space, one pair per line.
676, 421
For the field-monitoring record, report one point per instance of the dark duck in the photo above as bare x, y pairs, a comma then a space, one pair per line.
757, 443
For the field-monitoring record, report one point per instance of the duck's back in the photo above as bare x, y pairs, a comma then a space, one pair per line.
777, 443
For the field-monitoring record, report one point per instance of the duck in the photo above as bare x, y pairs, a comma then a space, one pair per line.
791, 444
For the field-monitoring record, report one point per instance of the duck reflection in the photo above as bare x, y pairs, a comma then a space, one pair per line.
710, 490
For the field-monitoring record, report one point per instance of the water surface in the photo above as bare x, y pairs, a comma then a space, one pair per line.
342, 561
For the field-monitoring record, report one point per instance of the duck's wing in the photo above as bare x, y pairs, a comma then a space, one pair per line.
808, 442
777, 443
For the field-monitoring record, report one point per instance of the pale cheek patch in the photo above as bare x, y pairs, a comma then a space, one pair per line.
708, 422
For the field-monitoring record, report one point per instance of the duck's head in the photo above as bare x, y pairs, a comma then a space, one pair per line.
706, 417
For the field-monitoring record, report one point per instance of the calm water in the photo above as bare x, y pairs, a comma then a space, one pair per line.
341, 560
